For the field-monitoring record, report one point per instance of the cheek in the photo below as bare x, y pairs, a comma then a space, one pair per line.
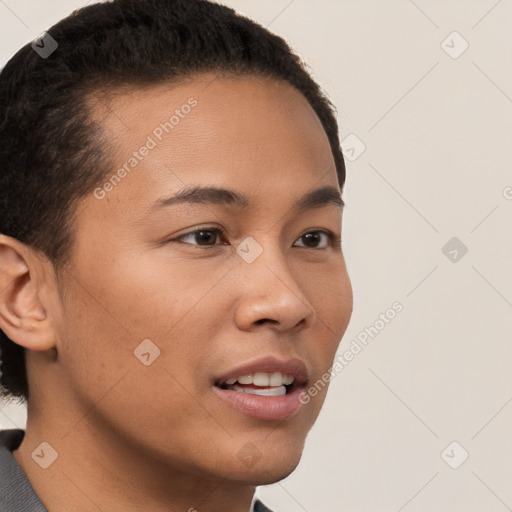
109, 314
95, 348
153, 295
101, 370
342, 302
329, 291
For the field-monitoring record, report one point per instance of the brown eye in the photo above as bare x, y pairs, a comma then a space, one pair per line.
313, 238
203, 237
206, 237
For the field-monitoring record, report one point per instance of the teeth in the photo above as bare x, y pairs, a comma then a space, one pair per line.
276, 379
276, 391
245, 379
263, 379
287, 379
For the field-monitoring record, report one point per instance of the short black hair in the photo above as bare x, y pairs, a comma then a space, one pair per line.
52, 152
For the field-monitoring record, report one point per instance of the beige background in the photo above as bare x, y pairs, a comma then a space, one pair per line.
436, 125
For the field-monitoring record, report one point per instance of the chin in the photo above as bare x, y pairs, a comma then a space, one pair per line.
268, 476
267, 468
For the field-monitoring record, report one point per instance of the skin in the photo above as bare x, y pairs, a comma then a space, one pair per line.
133, 437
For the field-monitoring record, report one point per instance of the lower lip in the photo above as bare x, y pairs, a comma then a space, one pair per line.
263, 407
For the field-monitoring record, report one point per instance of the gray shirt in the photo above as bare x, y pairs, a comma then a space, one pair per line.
16, 493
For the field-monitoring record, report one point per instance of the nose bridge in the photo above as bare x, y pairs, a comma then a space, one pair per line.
271, 290
263, 256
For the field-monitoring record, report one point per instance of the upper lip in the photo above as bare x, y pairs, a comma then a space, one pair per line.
269, 364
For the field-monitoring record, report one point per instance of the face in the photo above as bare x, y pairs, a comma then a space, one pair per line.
193, 325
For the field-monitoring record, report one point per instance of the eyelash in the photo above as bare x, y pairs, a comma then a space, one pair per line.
333, 239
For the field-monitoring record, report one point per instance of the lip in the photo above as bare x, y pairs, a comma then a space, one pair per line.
266, 407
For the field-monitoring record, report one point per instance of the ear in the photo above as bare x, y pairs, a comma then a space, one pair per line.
23, 316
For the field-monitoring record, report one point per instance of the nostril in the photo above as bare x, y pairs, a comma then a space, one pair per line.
262, 320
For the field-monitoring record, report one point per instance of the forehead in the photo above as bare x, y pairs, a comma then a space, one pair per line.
247, 131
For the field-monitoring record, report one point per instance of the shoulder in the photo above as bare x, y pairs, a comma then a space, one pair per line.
259, 507
16, 493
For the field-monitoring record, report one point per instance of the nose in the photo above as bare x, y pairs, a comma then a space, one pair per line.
271, 295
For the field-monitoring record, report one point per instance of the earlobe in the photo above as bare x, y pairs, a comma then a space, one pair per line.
23, 317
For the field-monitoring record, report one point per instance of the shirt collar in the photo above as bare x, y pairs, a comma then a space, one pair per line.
253, 502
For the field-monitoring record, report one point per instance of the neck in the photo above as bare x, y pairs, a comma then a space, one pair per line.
98, 469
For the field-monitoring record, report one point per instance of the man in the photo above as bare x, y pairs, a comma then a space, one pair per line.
172, 277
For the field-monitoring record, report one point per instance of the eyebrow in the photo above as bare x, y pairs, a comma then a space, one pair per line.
317, 198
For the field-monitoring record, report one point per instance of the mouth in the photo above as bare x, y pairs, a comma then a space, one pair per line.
265, 389
260, 383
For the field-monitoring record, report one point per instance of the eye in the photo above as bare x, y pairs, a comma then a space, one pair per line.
205, 237
313, 237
